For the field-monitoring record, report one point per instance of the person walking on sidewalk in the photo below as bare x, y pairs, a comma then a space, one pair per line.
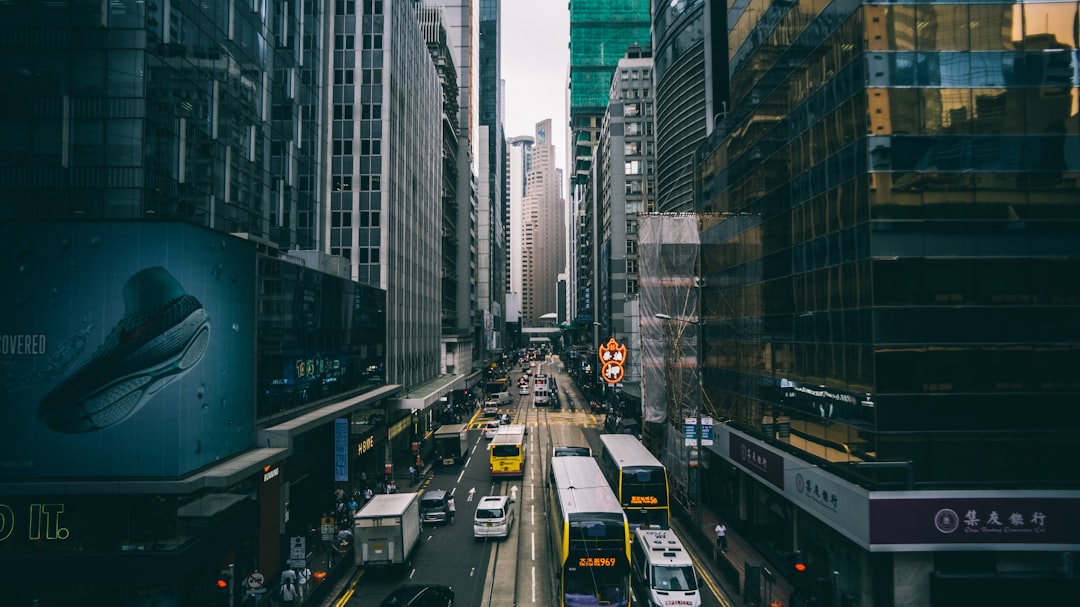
721, 536
412, 474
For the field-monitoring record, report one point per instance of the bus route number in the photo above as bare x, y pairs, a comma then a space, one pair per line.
643, 500
596, 561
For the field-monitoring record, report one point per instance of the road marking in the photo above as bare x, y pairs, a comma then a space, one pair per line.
472, 492
534, 584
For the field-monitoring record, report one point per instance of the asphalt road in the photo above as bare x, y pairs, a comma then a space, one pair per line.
515, 571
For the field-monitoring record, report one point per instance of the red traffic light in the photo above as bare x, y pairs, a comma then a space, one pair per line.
221, 583
800, 567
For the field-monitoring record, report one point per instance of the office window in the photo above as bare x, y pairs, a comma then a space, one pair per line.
343, 76
372, 42
343, 111
345, 7
342, 147
344, 42
342, 183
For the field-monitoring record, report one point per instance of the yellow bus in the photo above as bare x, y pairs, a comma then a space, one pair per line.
638, 479
589, 534
506, 453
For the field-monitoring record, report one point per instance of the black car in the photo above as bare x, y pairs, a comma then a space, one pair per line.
420, 595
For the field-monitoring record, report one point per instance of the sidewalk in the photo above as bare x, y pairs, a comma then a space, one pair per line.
729, 567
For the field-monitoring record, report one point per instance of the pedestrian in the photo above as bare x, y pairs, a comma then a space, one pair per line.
721, 536
412, 474
288, 593
452, 508
303, 581
339, 494
353, 507
368, 494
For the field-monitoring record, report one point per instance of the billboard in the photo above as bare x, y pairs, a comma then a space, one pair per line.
126, 349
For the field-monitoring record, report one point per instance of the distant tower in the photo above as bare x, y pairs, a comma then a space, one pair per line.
542, 233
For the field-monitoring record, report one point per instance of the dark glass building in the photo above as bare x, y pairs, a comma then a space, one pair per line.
182, 393
891, 322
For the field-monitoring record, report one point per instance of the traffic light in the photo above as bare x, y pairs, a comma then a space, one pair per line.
223, 587
799, 571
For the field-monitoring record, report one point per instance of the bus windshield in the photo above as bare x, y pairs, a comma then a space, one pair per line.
505, 451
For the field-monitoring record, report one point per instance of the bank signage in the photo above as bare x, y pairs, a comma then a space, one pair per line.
976, 518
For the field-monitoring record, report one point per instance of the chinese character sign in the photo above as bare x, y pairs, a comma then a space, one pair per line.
612, 357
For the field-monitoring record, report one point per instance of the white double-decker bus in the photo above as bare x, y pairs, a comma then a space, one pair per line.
541, 391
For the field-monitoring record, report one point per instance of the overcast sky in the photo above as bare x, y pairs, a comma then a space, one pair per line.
535, 56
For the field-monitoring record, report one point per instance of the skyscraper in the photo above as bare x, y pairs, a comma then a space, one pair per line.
385, 172
890, 334
491, 161
542, 231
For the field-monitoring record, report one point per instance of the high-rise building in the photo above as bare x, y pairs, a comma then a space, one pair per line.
384, 172
600, 33
888, 304
491, 167
542, 232
192, 374
690, 51
517, 171
625, 162
457, 356
460, 19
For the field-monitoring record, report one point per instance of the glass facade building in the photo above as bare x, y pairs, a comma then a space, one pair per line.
131, 111
901, 190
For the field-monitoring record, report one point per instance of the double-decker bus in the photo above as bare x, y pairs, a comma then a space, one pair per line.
638, 479
568, 440
506, 453
541, 391
590, 536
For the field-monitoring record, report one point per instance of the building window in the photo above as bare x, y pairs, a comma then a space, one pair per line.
370, 147
343, 111
342, 147
345, 7
344, 42
372, 42
343, 76
633, 167
631, 109
340, 219
372, 76
373, 7
342, 183
371, 111
631, 247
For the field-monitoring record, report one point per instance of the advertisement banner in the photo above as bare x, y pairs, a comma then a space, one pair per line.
127, 349
690, 431
341, 450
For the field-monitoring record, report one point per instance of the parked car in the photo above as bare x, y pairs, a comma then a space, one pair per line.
420, 595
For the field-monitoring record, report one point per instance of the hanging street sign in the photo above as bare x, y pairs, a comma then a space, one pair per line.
612, 357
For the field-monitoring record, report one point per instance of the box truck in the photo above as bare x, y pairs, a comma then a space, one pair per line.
451, 444
386, 530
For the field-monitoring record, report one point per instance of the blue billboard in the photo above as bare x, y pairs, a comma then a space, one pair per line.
126, 349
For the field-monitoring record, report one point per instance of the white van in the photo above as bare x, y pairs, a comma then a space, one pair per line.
494, 517
661, 570
503, 398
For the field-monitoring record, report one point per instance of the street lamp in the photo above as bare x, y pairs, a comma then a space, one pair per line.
697, 409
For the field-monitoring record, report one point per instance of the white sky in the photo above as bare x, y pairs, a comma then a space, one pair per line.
535, 57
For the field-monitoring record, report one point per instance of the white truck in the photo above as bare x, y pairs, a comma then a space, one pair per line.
386, 530
451, 444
